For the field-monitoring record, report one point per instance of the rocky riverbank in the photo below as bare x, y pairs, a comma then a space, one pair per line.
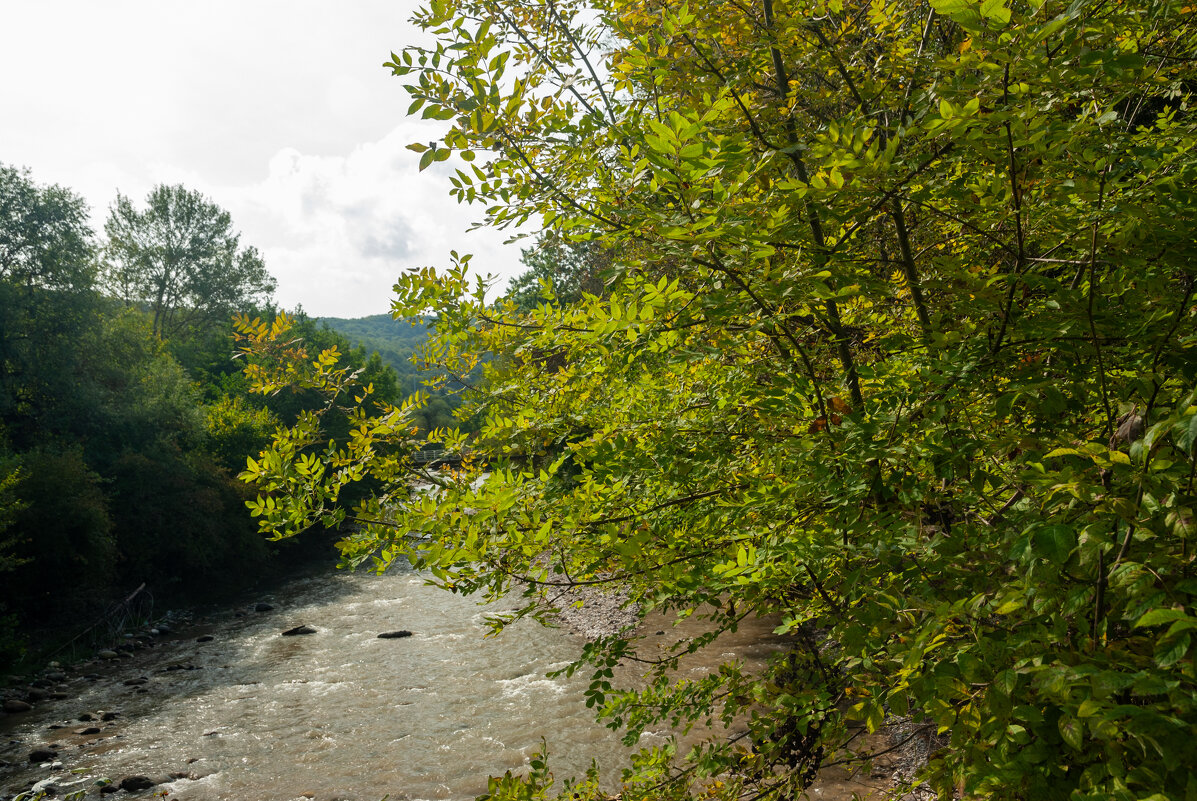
52, 761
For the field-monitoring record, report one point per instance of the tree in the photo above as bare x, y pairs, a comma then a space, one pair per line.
46, 302
181, 259
45, 240
899, 353
559, 270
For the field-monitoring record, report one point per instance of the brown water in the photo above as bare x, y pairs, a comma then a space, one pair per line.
338, 714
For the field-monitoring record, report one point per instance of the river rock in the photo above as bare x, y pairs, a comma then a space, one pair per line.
263, 607
37, 694
394, 635
12, 706
131, 784
107, 716
107, 654
137, 682
110, 788
56, 675
163, 630
299, 630
88, 731
42, 755
205, 638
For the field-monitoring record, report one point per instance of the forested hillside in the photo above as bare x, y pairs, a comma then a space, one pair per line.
124, 418
398, 341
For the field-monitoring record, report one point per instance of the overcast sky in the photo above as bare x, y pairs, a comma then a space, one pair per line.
280, 112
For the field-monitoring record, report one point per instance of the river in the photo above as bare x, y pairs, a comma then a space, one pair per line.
338, 714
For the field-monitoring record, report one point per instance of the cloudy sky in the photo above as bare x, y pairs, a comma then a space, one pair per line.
280, 112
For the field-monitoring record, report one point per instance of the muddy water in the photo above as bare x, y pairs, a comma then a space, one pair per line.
338, 714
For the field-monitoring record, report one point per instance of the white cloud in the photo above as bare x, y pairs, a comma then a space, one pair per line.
337, 230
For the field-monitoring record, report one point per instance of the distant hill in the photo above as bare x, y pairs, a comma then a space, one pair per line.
396, 341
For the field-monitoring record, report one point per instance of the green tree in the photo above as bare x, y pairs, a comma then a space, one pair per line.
560, 271
181, 259
900, 354
45, 240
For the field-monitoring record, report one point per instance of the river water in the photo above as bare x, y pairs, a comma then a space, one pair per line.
338, 714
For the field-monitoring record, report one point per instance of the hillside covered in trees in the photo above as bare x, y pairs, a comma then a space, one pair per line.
124, 418
398, 342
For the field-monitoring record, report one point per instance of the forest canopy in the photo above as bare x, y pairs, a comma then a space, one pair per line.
895, 347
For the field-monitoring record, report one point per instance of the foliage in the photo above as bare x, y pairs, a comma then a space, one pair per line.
211, 545
64, 534
559, 271
10, 504
236, 430
900, 354
181, 259
44, 235
399, 343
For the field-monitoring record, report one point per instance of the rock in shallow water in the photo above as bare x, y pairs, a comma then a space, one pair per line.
42, 755
394, 635
12, 706
299, 630
132, 784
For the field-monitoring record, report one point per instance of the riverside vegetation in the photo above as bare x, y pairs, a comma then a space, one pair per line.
894, 340
123, 417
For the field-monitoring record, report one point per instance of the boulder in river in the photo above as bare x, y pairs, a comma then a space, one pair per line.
42, 755
132, 784
394, 635
107, 716
263, 607
13, 705
299, 630
107, 654
88, 731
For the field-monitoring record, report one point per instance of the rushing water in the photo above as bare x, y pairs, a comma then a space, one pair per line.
338, 714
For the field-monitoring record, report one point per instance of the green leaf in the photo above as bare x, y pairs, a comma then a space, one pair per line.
1054, 543
1157, 617
1072, 731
